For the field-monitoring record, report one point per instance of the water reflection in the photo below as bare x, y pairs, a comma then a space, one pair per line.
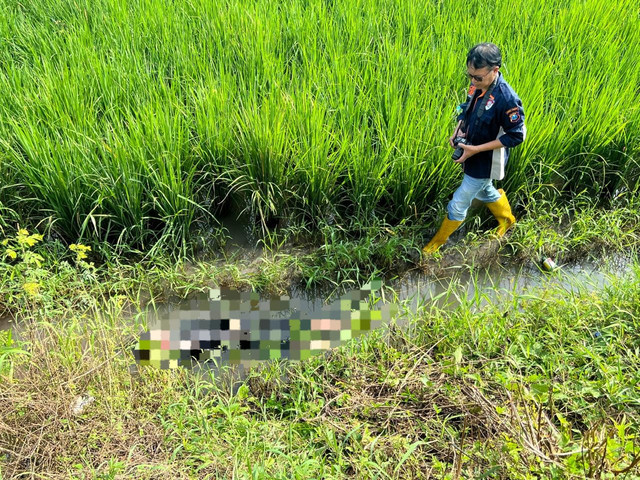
496, 284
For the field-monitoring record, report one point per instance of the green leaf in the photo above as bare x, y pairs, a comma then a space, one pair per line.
457, 355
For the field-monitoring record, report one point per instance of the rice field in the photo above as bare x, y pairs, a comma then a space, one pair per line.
136, 121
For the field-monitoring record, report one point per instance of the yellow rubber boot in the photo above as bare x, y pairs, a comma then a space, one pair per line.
446, 229
502, 211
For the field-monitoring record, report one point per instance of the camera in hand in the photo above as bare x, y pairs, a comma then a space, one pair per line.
459, 151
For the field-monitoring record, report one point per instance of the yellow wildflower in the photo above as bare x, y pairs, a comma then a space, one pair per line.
80, 250
32, 288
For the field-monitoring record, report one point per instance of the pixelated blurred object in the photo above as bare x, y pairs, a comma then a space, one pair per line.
231, 327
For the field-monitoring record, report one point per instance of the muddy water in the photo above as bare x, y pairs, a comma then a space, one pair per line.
245, 329
248, 329
498, 283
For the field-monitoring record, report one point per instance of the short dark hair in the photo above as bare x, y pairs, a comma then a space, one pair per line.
484, 55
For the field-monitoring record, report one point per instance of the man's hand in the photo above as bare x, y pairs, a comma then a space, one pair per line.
469, 151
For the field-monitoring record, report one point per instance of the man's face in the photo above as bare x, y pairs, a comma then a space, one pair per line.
483, 77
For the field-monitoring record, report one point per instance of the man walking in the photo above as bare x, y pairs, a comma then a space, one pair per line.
490, 122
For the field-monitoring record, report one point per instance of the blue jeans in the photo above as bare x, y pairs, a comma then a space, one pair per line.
480, 188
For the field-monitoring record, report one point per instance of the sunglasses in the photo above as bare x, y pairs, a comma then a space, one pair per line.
478, 78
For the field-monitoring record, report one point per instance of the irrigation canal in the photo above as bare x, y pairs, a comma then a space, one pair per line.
245, 328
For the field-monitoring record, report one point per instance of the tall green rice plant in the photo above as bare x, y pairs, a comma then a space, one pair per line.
129, 121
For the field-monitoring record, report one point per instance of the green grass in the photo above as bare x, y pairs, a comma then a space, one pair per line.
133, 124
349, 255
129, 122
542, 383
